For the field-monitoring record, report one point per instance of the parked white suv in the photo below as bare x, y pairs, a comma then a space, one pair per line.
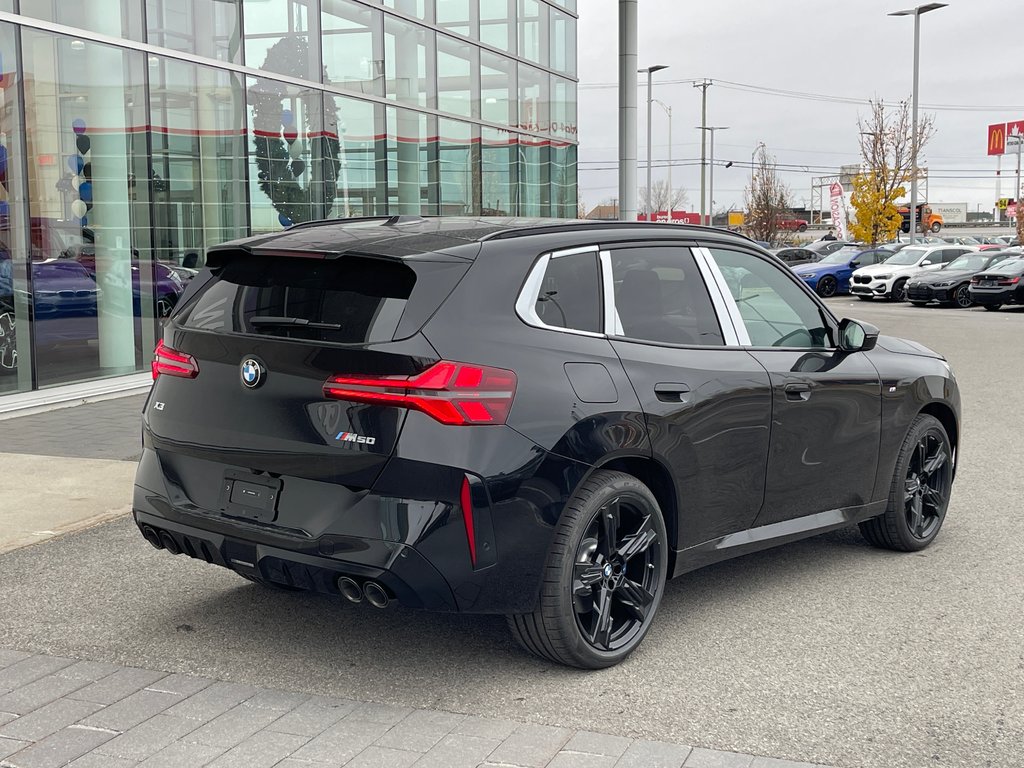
888, 280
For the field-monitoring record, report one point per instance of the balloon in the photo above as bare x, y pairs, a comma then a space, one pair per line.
295, 150
290, 134
85, 190
287, 118
285, 221
298, 167
85, 222
76, 181
78, 125
83, 143
76, 163
78, 208
87, 170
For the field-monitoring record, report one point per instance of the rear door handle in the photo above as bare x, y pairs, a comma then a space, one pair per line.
798, 392
671, 392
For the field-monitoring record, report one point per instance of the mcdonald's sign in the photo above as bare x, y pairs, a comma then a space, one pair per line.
997, 139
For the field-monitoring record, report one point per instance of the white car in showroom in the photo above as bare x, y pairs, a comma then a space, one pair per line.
888, 280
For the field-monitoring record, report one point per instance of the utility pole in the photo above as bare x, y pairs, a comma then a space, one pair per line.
648, 205
627, 109
671, 189
703, 85
705, 129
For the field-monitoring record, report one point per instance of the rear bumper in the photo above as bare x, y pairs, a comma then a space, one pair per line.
988, 296
395, 566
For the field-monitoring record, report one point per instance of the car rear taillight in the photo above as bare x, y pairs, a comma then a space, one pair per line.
171, 362
452, 393
1009, 281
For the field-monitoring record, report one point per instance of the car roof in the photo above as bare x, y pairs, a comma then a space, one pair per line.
406, 237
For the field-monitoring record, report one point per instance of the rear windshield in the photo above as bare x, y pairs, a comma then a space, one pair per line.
1008, 267
352, 300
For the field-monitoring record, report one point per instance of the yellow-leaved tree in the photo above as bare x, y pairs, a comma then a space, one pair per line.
878, 217
887, 158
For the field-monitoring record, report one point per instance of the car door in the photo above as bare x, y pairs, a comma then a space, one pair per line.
826, 404
706, 401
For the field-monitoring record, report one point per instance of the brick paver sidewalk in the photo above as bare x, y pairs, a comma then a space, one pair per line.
84, 714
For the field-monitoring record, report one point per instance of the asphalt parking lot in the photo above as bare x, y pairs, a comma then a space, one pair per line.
823, 651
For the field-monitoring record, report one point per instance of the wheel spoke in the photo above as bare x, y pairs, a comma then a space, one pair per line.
936, 498
609, 528
936, 462
921, 453
586, 575
602, 634
638, 542
916, 515
635, 598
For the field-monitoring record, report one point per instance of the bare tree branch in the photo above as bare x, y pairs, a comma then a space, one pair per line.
660, 195
766, 197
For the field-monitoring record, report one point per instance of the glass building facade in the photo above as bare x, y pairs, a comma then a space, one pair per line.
135, 134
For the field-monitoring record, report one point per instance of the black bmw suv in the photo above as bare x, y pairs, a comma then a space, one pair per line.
543, 419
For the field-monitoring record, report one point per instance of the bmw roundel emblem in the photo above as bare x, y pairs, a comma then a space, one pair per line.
252, 373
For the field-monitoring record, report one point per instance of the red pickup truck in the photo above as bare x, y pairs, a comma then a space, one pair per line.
798, 225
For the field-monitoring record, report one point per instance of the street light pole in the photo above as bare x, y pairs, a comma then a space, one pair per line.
703, 85
916, 13
650, 71
671, 189
711, 181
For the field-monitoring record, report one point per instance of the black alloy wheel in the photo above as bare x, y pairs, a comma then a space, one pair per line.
919, 495
962, 296
604, 578
8, 344
899, 290
827, 287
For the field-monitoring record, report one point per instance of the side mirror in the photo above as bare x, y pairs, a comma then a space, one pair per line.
855, 336
927, 262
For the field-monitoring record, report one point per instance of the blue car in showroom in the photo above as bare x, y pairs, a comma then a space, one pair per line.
832, 274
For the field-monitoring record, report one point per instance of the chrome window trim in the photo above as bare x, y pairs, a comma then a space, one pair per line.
526, 304
726, 303
612, 321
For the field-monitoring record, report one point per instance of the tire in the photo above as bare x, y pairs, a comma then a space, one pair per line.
582, 570
802, 228
899, 291
919, 494
936, 226
992, 307
827, 287
962, 297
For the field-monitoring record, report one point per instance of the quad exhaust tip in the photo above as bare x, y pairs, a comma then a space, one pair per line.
350, 590
376, 595
169, 543
150, 535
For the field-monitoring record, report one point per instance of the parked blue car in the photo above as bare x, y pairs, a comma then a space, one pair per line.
832, 274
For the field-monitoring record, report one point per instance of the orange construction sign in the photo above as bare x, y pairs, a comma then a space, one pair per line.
997, 139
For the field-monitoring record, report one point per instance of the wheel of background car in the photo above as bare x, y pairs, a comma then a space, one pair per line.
899, 291
919, 494
604, 577
936, 226
8, 344
164, 305
827, 286
993, 307
802, 228
962, 296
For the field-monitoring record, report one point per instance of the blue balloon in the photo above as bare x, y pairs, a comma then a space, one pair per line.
85, 191
287, 118
78, 125
85, 221
76, 163
285, 221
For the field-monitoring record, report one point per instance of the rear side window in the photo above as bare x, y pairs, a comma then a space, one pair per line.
350, 300
661, 297
570, 293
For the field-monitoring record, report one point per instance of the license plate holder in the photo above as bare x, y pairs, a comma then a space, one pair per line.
249, 496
